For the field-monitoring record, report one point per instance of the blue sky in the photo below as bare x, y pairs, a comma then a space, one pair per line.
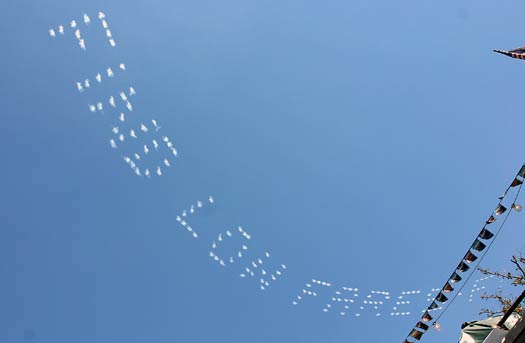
360, 143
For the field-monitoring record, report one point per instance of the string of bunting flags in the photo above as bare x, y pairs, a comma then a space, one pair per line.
483, 242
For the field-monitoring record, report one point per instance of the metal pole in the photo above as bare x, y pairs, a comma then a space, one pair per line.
501, 323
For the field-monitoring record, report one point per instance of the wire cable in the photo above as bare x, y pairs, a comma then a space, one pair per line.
482, 256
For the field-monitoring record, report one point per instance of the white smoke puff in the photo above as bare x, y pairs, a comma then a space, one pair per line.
99, 106
86, 19
166, 162
82, 44
211, 200
113, 144
131, 91
52, 33
127, 159
146, 150
112, 42
155, 144
101, 15
61, 29
267, 254
137, 156
92, 108
192, 208
169, 145
104, 24
195, 235
122, 117
122, 66
87, 84
228, 233
174, 151
165, 139
98, 77
121, 137
112, 101
132, 133
143, 128
159, 172
73, 24
199, 203
79, 87
147, 173
77, 34
132, 164
110, 72
129, 106
137, 171
154, 122
108, 33
115, 130
123, 96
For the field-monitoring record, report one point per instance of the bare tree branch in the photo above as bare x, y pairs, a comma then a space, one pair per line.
505, 302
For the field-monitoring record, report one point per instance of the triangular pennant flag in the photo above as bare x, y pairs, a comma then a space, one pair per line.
490, 220
416, 334
448, 288
514, 53
522, 171
421, 325
470, 257
478, 245
500, 209
485, 234
462, 267
426, 317
455, 277
441, 297
433, 306
516, 182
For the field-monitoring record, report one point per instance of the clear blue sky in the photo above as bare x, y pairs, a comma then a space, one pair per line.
361, 143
